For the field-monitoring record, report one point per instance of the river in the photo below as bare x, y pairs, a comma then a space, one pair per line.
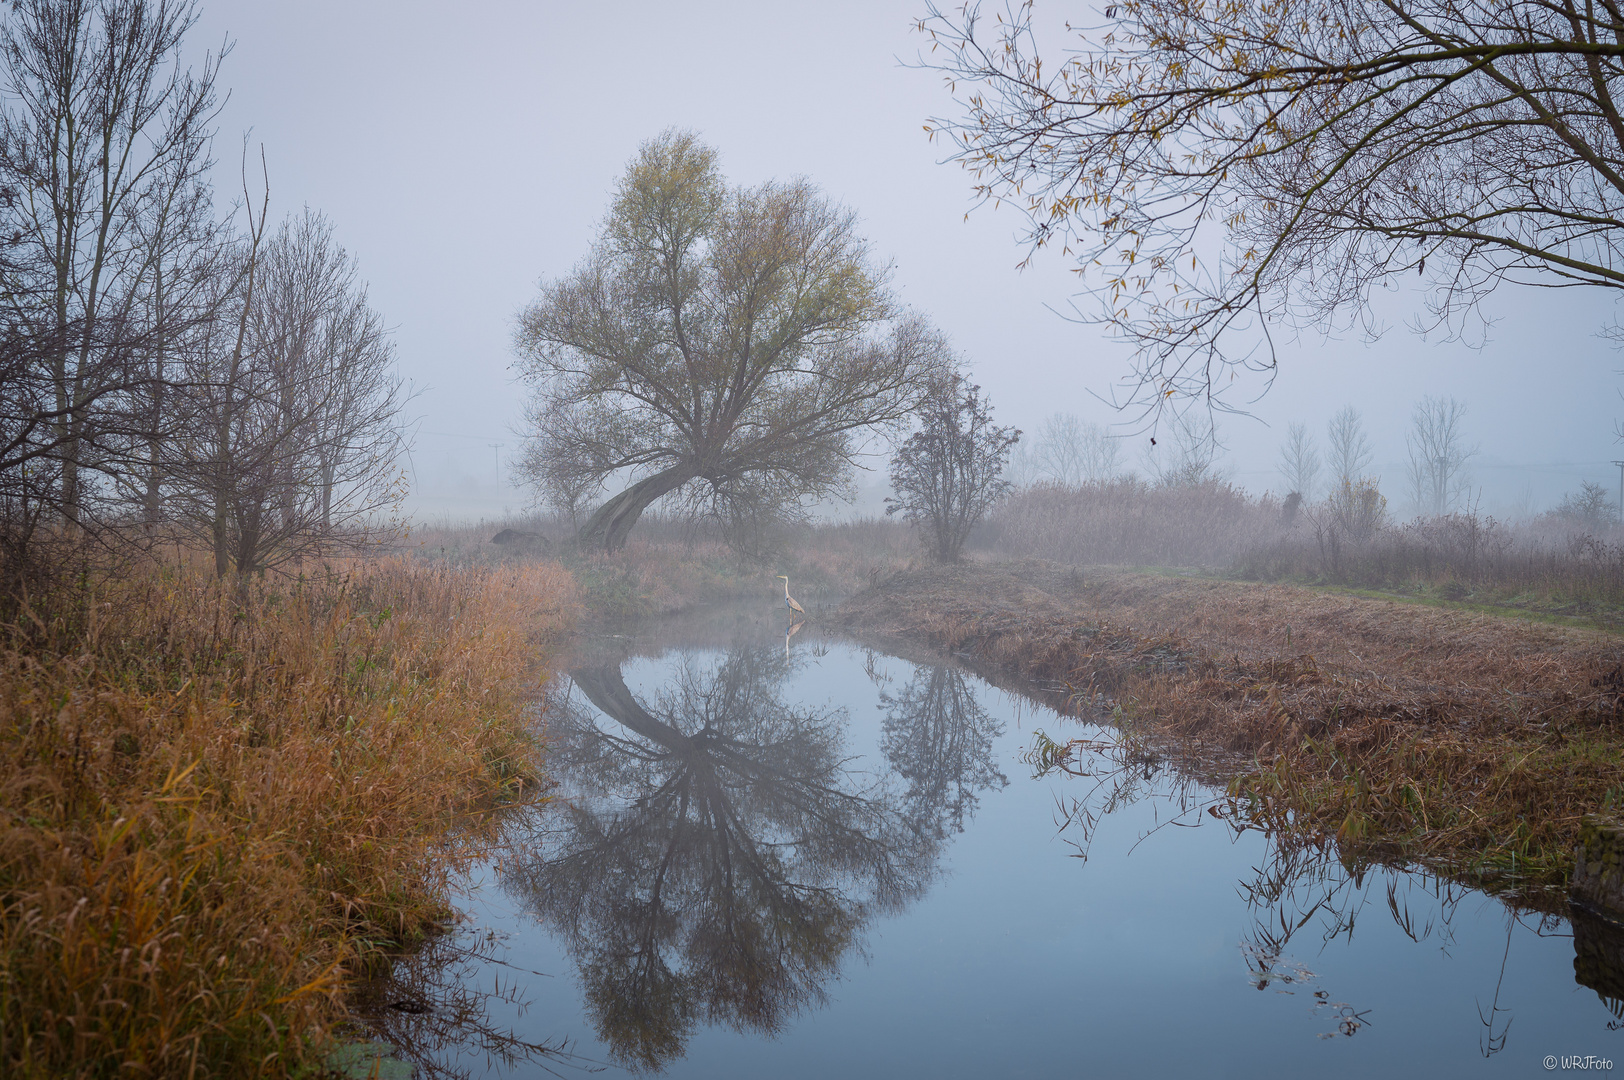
806, 856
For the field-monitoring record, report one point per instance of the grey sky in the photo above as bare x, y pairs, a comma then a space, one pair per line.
465, 151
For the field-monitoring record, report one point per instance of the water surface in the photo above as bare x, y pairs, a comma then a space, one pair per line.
808, 858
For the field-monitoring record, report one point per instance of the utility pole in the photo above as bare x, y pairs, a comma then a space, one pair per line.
497, 446
1620, 465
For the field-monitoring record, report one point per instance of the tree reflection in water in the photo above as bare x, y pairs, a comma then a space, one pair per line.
718, 856
1305, 883
938, 738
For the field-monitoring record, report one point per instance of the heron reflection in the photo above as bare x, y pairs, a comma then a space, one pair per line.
719, 856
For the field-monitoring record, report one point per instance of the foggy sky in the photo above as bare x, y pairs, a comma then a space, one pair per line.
464, 152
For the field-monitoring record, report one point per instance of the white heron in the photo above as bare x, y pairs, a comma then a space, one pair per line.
790, 601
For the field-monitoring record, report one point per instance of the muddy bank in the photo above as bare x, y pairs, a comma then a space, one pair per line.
1464, 739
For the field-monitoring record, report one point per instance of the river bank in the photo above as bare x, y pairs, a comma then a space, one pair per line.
222, 806
1465, 740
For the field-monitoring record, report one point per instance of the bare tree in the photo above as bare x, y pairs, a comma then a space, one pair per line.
1299, 461
1221, 169
1592, 507
1348, 453
948, 474
100, 128
737, 343
1058, 448
1023, 468
1069, 450
188, 256
295, 434
1438, 455
1187, 453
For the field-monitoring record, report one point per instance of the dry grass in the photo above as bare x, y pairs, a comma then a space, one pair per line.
1550, 565
1461, 739
217, 811
1130, 522
1546, 565
669, 566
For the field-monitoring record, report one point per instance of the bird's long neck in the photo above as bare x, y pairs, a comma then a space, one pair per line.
786, 588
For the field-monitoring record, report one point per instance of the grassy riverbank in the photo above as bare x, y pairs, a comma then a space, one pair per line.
218, 809
1461, 738
668, 567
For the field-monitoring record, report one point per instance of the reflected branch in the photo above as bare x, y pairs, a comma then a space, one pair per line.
719, 857
939, 738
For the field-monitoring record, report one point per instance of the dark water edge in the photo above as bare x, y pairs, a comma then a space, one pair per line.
830, 860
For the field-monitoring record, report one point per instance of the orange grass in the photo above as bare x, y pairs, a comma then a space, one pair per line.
1468, 741
216, 812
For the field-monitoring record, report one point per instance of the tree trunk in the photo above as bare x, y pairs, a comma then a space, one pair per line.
70, 488
615, 518
606, 688
222, 539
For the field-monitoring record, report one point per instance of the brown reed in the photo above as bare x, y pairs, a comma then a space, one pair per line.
219, 807
1127, 521
1547, 565
1472, 742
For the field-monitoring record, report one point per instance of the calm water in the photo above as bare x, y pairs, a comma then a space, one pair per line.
840, 863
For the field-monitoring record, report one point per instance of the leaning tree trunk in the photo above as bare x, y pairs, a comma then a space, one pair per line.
614, 519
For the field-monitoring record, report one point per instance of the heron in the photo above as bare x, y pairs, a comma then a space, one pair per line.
790, 601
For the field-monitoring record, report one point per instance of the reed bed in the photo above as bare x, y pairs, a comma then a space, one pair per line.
220, 806
1552, 564
1470, 742
1129, 522
1547, 562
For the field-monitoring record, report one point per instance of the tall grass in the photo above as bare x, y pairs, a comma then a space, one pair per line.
1456, 556
1553, 561
218, 808
1130, 522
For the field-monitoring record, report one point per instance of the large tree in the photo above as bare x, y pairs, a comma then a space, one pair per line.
1226, 169
738, 344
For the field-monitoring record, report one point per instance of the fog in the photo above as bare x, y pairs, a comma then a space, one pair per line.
464, 153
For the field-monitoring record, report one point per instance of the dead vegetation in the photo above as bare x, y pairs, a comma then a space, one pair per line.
1565, 563
217, 810
1460, 739
1554, 564
1134, 522
673, 563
